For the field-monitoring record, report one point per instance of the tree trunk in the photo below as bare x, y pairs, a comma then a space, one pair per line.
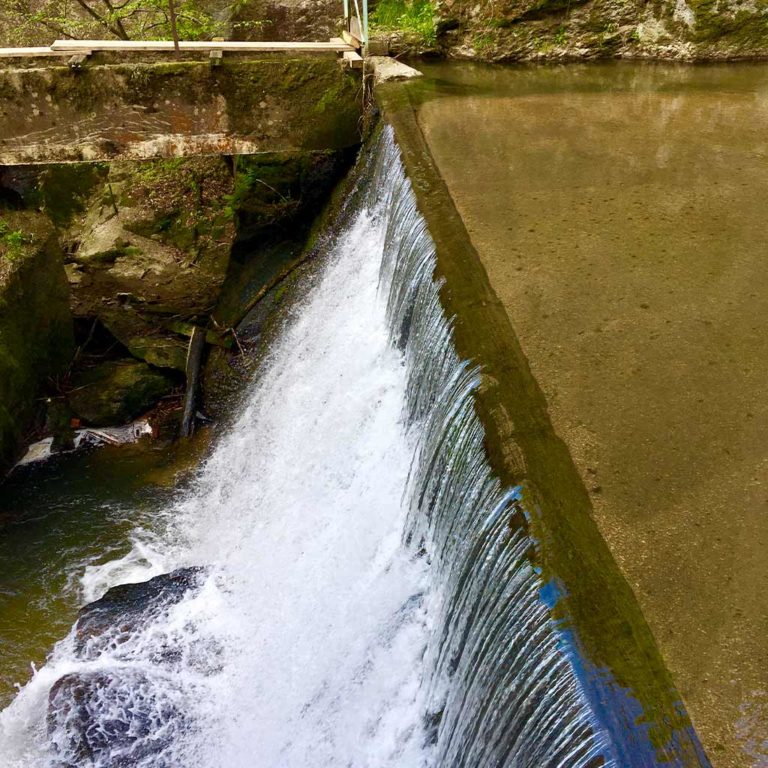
174, 28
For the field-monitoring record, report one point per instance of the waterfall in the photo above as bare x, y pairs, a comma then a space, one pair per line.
368, 597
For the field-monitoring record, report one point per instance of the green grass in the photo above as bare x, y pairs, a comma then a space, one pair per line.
410, 16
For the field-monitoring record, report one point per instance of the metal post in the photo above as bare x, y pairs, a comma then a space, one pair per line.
365, 26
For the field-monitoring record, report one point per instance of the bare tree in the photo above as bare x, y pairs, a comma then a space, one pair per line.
122, 19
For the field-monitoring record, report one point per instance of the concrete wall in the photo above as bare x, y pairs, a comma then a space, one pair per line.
176, 108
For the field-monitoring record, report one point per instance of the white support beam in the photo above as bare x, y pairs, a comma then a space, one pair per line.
31, 53
148, 46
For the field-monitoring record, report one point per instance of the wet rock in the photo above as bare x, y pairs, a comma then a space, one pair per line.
127, 608
117, 391
36, 338
119, 718
158, 233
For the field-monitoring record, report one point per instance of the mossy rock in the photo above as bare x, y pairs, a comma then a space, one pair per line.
118, 391
142, 337
36, 336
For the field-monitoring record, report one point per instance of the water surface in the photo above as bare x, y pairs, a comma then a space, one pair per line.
620, 212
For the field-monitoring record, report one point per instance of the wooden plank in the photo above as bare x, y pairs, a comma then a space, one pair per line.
21, 53
355, 29
353, 59
350, 39
133, 46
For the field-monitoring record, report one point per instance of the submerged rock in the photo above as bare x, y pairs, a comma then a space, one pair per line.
117, 391
132, 710
118, 718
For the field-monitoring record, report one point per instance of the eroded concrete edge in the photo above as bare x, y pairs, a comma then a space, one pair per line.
621, 666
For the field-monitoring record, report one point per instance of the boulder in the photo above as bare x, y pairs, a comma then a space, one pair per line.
117, 391
127, 608
119, 718
155, 234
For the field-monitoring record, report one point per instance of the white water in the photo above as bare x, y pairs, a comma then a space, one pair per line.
318, 637
312, 609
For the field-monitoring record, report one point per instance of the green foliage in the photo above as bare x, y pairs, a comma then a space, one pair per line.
132, 19
11, 241
411, 16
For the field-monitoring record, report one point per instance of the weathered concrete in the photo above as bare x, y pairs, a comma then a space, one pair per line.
170, 109
387, 70
619, 213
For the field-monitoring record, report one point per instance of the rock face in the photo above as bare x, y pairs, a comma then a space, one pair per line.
286, 19
36, 340
153, 242
556, 29
117, 391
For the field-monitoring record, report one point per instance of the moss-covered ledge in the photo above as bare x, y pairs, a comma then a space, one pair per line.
36, 341
621, 666
172, 109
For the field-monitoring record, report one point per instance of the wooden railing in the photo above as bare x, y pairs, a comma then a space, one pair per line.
87, 47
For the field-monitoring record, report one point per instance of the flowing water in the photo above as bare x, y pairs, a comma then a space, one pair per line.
368, 599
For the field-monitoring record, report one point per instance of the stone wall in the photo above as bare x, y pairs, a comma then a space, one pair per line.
508, 30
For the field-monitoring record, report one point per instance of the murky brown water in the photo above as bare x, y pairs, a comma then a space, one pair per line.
620, 211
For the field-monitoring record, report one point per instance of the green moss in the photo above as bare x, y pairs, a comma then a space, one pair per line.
35, 322
118, 391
